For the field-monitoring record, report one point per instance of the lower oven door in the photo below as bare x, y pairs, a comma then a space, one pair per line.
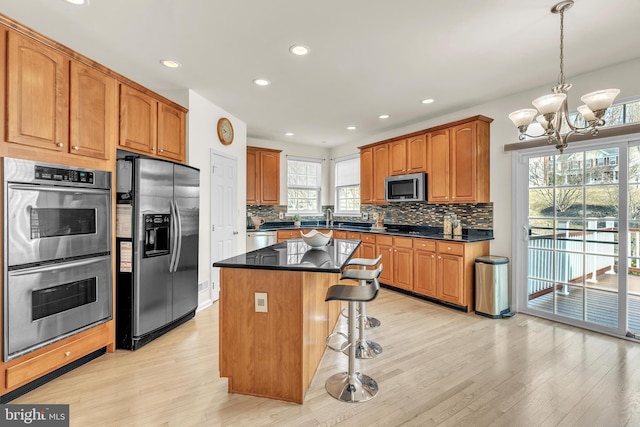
47, 303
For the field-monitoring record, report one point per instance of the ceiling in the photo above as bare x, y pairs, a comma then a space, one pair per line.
368, 57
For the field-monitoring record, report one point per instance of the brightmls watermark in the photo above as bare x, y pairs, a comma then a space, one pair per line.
34, 415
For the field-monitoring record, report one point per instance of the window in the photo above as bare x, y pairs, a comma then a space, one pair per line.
347, 180
304, 177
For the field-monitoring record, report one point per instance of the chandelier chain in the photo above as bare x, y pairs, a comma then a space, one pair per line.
561, 76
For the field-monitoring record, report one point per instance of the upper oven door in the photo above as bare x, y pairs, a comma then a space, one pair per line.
46, 223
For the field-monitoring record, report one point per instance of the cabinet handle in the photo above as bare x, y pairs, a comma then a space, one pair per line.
162, 151
153, 148
60, 144
75, 147
433, 256
439, 257
67, 353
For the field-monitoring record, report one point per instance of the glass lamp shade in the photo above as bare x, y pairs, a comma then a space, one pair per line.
586, 113
543, 122
550, 103
523, 117
600, 99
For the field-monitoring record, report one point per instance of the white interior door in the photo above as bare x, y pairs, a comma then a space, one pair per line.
224, 221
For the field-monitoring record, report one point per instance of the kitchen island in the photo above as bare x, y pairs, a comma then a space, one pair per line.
273, 317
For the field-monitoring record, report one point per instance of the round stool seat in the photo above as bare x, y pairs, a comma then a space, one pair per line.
364, 262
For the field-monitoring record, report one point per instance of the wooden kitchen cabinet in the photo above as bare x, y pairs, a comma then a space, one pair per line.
458, 163
449, 272
366, 176
37, 94
407, 155
424, 272
172, 138
403, 262
93, 109
263, 176
384, 247
288, 234
380, 172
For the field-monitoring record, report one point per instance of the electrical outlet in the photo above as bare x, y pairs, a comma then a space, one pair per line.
280, 215
365, 216
261, 302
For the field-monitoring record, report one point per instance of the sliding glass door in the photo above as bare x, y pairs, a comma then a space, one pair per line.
580, 215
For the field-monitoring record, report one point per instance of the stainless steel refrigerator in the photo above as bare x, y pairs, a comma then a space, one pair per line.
157, 255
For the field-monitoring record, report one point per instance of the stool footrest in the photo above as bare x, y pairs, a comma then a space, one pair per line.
352, 389
344, 346
366, 349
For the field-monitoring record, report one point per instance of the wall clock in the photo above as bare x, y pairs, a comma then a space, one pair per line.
225, 131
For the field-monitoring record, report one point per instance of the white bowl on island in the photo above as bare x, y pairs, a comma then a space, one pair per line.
316, 239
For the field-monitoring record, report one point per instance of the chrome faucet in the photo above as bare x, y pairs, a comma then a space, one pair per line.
329, 221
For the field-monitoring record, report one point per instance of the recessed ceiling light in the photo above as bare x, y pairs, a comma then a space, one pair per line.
383, 116
351, 128
170, 63
78, 2
427, 101
300, 50
262, 82
289, 134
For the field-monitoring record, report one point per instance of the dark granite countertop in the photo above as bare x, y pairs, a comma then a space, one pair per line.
468, 235
296, 255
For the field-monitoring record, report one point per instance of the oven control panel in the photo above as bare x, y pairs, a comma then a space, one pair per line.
65, 175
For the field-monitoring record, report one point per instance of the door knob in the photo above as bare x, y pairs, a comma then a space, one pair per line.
235, 232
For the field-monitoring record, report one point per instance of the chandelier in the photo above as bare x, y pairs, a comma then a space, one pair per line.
553, 107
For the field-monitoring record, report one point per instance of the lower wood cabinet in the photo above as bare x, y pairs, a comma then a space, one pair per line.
424, 272
384, 247
288, 234
403, 262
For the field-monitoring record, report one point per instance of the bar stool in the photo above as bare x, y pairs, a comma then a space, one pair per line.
365, 349
352, 386
369, 322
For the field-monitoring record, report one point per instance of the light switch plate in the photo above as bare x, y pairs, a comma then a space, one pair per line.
280, 215
365, 216
261, 302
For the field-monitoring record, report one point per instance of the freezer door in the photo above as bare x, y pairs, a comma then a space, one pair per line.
152, 290
187, 206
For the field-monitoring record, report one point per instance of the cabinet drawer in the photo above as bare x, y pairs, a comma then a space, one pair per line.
288, 234
384, 240
426, 245
353, 235
451, 248
403, 242
339, 234
38, 366
368, 237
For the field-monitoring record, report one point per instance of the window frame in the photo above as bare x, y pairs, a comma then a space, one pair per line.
318, 188
338, 187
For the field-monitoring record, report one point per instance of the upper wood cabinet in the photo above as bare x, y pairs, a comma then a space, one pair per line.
374, 168
458, 163
407, 155
263, 176
150, 126
37, 94
366, 176
93, 112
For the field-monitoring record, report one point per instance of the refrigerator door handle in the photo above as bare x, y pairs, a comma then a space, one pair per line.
178, 237
174, 237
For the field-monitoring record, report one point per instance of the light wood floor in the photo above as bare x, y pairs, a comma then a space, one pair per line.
438, 367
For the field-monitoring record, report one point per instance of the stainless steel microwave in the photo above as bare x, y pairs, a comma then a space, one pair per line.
406, 188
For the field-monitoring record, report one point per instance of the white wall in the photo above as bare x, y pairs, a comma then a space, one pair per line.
289, 149
202, 137
623, 76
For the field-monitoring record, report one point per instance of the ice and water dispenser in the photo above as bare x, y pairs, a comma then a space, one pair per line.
157, 234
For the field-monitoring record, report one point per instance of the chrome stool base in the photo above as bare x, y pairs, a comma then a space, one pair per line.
358, 388
366, 349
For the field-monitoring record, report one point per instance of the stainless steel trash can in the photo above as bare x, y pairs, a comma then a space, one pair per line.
492, 286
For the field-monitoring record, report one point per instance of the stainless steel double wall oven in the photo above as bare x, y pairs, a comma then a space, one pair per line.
57, 253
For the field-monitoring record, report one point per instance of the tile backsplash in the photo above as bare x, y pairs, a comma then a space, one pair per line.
472, 215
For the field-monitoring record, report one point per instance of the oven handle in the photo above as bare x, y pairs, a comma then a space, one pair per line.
49, 267
57, 189
174, 237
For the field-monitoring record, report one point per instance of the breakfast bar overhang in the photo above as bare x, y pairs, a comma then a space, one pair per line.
273, 316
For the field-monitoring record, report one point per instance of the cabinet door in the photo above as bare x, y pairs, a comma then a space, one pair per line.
253, 177
37, 94
387, 263
398, 157
366, 176
93, 111
424, 273
450, 278
438, 166
380, 171
463, 163
171, 133
270, 174
417, 154
138, 120
367, 250
403, 268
